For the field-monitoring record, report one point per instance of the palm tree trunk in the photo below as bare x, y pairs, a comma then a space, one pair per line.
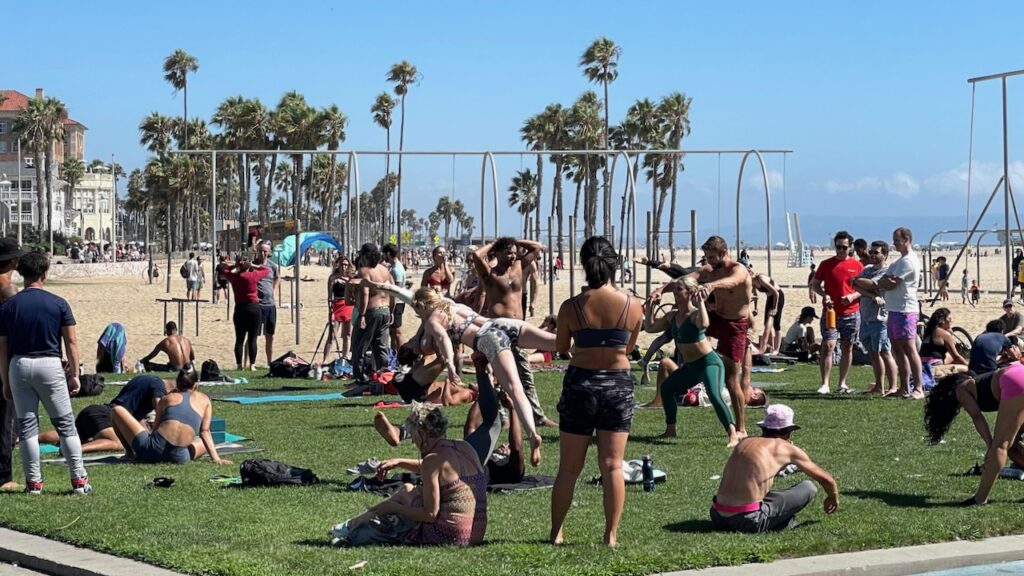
540, 197
556, 204
398, 200
672, 209
185, 100
576, 203
607, 176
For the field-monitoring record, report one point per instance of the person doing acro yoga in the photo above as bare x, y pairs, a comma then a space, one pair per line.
446, 322
688, 321
1009, 420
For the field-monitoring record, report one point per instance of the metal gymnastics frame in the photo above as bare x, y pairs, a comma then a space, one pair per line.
487, 158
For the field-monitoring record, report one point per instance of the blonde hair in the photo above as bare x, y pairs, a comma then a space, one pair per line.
427, 417
426, 299
690, 282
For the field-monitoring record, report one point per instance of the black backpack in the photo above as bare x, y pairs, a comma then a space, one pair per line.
92, 385
210, 372
184, 270
274, 473
289, 366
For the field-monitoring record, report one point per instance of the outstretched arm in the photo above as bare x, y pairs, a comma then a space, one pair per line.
533, 250
819, 475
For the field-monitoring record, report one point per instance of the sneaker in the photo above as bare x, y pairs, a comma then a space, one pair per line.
825, 389
81, 486
366, 467
33, 487
844, 389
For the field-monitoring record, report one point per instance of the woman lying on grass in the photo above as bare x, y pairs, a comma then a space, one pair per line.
446, 323
450, 508
180, 415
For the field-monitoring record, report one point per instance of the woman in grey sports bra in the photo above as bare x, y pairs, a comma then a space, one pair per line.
445, 323
180, 415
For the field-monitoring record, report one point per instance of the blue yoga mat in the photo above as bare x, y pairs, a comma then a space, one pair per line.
228, 439
283, 398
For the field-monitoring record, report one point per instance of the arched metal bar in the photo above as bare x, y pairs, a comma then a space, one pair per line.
631, 190
488, 157
767, 204
353, 175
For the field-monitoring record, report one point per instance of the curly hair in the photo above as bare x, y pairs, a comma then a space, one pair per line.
941, 406
427, 417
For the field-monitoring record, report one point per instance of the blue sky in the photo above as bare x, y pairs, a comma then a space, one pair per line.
871, 96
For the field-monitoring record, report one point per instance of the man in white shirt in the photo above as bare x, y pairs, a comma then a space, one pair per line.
900, 285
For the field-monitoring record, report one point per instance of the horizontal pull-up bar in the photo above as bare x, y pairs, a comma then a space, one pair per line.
480, 152
995, 76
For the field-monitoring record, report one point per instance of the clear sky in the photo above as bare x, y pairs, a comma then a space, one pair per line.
871, 95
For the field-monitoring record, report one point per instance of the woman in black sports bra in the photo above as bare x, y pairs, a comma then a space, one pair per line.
938, 342
601, 327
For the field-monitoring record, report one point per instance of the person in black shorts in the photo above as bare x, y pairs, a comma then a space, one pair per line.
94, 425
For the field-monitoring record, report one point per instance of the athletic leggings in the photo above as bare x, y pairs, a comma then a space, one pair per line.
709, 370
247, 326
485, 437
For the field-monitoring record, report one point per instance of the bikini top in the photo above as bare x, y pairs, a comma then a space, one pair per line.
184, 413
338, 289
931, 350
455, 331
587, 337
431, 281
687, 332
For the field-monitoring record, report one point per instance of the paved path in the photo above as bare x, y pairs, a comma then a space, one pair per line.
13, 570
59, 559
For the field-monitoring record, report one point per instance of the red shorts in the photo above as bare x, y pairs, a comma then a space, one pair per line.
341, 311
731, 335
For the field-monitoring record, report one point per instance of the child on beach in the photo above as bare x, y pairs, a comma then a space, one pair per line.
975, 293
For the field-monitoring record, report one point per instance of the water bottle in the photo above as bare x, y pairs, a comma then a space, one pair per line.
830, 317
648, 472
139, 367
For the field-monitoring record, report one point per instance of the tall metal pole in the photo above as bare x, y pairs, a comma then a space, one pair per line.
693, 238
113, 204
551, 273
149, 248
1006, 198
213, 218
650, 248
168, 272
572, 256
20, 189
297, 304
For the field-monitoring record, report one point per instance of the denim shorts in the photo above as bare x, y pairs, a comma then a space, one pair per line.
847, 328
874, 338
902, 325
596, 399
153, 447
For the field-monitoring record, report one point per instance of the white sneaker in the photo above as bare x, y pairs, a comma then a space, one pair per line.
844, 389
824, 389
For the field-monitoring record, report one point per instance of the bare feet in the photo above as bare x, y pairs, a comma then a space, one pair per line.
387, 431
10, 486
535, 444
916, 395
547, 423
891, 392
611, 540
556, 538
652, 404
874, 389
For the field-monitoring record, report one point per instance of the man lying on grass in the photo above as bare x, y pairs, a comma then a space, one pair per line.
745, 501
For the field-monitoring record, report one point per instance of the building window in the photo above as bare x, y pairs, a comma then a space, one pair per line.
3, 127
26, 184
3, 146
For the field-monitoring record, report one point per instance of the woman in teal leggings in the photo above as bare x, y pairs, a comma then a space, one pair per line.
688, 322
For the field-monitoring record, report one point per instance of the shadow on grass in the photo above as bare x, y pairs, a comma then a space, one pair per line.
652, 439
705, 526
368, 424
324, 542
898, 500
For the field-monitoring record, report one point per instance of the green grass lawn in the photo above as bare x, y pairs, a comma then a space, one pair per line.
895, 490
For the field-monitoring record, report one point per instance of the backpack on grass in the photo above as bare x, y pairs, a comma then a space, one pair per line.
184, 270
92, 385
289, 366
210, 372
274, 473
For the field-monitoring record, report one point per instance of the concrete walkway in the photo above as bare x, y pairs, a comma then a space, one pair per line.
891, 562
59, 559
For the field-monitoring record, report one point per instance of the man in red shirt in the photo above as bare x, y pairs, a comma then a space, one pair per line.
834, 282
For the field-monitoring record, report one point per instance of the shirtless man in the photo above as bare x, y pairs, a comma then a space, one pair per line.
771, 338
370, 335
731, 285
530, 288
177, 347
503, 286
9, 253
745, 501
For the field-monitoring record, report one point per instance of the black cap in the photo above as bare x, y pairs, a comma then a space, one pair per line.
808, 311
9, 249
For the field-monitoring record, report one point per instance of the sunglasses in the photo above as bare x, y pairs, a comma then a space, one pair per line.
842, 246
875, 252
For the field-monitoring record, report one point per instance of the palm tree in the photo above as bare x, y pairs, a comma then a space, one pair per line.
533, 133
557, 137
41, 124
333, 121
176, 69
382, 110
641, 129
675, 112
523, 196
402, 75
444, 213
600, 63
585, 133
297, 126
72, 171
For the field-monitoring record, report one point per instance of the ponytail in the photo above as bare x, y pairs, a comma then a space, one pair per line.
599, 261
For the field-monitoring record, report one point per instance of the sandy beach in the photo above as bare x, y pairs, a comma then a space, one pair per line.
131, 301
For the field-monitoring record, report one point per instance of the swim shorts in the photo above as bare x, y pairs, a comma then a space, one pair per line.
847, 328
497, 335
596, 399
731, 335
902, 325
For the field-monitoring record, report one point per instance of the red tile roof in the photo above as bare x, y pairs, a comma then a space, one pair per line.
17, 101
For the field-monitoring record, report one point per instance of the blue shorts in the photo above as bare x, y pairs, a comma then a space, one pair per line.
874, 337
847, 328
152, 447
191, 284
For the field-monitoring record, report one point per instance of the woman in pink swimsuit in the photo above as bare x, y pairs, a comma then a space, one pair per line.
1009, 420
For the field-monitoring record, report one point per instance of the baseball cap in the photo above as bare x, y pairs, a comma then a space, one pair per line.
778, 417
808, 311
1008, 302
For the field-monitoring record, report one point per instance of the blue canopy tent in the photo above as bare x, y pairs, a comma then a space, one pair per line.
284, 251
